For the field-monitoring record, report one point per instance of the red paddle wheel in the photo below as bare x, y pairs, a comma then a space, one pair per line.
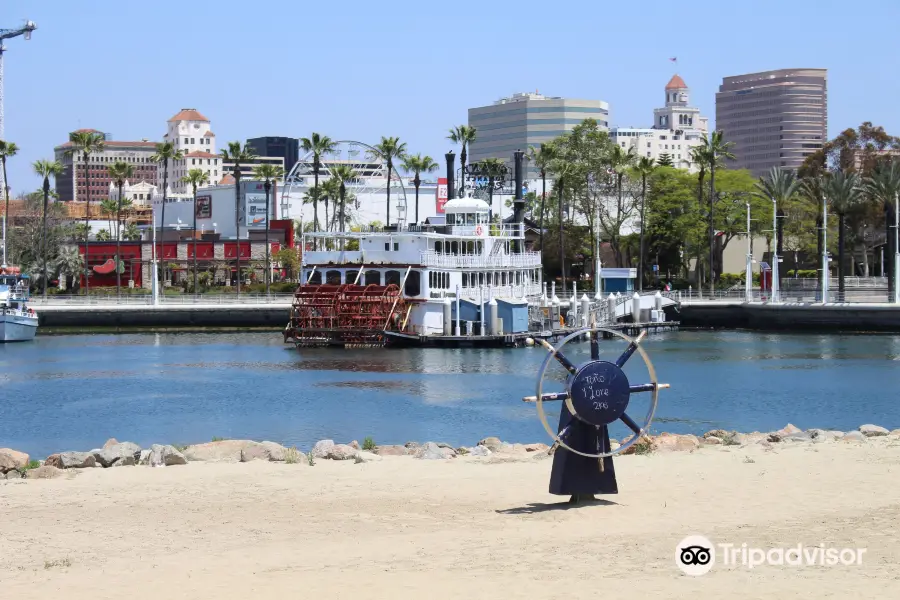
345, 315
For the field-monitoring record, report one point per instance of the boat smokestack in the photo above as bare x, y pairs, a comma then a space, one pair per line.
451, 167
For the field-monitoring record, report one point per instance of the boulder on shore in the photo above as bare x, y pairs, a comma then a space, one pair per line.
391, 450
825, 435
491, 443
873, 430
110, 443
431, 451
218, 451
853, 436
111, 454
341, 452
165, 456
11, 474
71, 460
322, 448
12, 460
366, 457
269, 451
44, 472
670, 442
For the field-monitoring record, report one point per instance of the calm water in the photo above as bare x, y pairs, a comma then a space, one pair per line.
74, 392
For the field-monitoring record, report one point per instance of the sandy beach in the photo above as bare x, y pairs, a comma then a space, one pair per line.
461, 528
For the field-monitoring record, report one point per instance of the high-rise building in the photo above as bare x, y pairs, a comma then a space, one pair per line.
72, 184
677, 127
774, 118
524, 120
285, 147
190, 133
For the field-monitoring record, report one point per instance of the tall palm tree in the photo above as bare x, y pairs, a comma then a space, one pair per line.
237, 155
108, 208
7, 150
813, 188
778, 185
562, 168
268, 173
493, 169
463, 135
342, 174
645, 167
119, 172
541, 159
195, 178
68, 264
419, 164
166, 152
45, 169
390, 149
320, 145
715, 148
884, 187
86, 142
845, 192
330, 191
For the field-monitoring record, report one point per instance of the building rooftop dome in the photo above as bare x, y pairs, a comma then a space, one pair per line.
676, 83
466, 205
189, 114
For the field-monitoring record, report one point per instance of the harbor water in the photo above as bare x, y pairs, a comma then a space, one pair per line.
72, 392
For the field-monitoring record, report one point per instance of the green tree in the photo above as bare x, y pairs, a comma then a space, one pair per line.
7, 150
493, 169
287, 258
320, 145
69, 264
196, 178
714, 150
86, 142
330, 192
845, 192
665, 160
132, 232
238, 155
389, 149
463, 135
45, 169
268, 173
342, 174
858, 150
418, 164
119, 172
541, 159
103, 235
618, 161
165, 153
108, 208
644, 167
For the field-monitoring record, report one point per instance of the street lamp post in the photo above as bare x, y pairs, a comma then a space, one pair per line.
896, 248
824, 250
748, 276
775, 250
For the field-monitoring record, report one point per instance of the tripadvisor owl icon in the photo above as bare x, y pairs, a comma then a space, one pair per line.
695, 555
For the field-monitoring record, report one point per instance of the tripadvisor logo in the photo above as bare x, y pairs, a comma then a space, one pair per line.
695, 555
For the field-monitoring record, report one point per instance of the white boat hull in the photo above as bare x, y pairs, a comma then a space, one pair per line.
16, 328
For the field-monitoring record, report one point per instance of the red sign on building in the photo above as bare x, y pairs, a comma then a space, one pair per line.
441, 195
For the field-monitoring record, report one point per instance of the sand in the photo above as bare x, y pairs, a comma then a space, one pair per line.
461, 528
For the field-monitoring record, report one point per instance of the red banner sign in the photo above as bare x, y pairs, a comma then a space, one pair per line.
441, 195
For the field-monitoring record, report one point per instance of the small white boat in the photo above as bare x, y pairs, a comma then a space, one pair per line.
18, 322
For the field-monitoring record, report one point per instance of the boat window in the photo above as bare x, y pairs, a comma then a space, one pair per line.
446, 280
413, 285
451, 219
439, 247
373, 277
470, 218
316, 278
454, 247
465, 280
333, 277
481, 278
503, 282
392, 277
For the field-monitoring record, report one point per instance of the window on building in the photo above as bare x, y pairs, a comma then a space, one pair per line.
192, 140
185, 140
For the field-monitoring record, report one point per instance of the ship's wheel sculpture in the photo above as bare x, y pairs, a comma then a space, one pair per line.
597, 395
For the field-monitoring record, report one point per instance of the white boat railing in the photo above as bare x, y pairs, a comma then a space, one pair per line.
503, 291
430, 258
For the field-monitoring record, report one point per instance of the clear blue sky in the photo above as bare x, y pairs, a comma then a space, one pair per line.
360, 70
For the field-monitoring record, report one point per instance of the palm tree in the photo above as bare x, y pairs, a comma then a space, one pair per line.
419, 164
68, 264
132, 232
329, 192
119, 172
463, 135
645, 167
108, 208
342, 174
778, 185
388, 150
845, 192
195, 178
562, 169
884, 186
7, 150
493, 169
541, 159
319, 145
237, 155
714, 148
86, 142
268, 173
165, 152
813, 188
103, 235
45, 169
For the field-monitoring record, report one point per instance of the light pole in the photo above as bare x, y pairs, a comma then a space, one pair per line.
775, 250
748, 276
896, 248
824, 250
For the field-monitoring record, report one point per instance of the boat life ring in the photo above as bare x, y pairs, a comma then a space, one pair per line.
478, 230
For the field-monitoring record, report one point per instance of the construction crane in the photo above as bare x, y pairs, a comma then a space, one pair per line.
6, 34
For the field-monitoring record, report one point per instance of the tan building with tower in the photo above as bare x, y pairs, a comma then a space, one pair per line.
773, 118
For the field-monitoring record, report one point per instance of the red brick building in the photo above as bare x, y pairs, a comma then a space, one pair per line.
73, 184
